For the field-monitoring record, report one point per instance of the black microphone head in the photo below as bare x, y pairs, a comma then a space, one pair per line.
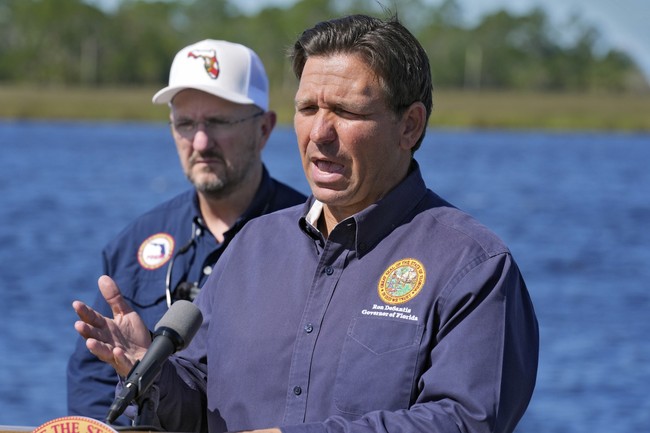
183, 318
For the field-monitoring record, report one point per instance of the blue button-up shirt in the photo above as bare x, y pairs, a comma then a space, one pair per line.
138, 260
410, 317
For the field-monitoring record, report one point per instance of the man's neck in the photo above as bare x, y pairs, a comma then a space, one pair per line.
220, 214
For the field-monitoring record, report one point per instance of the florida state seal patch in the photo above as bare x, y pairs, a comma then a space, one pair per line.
155, 251
402, 281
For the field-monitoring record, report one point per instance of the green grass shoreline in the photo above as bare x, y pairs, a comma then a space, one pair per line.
452, 109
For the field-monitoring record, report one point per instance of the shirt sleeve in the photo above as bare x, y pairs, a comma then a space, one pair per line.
483, 360
183, 383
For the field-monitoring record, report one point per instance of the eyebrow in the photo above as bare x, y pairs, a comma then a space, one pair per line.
344, 105
303, 101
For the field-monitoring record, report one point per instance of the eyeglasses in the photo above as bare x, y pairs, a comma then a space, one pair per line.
188, 127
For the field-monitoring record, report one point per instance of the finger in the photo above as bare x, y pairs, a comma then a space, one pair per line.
80, 308
101, 350
87, 314
84, 329
88, 331
113, 296
122, 363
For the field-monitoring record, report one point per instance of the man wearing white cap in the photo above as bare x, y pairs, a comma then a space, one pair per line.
220, 122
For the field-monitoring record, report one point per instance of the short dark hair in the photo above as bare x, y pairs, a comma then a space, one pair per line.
389, 49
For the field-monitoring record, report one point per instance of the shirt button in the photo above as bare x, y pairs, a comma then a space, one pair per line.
297, 390
308, 328
329, 270
207, 270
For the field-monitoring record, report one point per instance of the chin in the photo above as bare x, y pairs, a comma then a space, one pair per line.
208, 184
329, 197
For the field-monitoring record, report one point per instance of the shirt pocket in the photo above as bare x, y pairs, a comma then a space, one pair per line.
377, 365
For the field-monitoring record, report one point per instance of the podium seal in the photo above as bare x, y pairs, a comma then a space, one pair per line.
74, 424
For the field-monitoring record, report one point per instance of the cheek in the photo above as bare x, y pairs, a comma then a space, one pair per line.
184, 151
365, 147
302, 127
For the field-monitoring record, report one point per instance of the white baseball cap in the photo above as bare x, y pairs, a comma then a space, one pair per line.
225, 69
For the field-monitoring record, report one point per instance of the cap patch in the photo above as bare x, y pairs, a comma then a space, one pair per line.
155, 251
401, 281
210, 62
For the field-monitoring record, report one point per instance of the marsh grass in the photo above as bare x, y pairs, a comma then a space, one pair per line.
454, 109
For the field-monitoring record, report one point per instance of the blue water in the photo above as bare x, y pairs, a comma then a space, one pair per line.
574, 208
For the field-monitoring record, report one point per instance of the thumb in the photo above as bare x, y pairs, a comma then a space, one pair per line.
113, 296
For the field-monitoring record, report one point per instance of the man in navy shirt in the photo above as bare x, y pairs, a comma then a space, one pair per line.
376, 306
220, 121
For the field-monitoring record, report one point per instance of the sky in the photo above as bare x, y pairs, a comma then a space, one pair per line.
623, 24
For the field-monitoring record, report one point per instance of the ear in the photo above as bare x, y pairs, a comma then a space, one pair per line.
267, 123
413, 123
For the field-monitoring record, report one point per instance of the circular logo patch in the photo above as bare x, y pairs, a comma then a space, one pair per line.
402, 281
79, 424
155, 251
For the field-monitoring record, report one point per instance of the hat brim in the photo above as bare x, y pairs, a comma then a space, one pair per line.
165, 95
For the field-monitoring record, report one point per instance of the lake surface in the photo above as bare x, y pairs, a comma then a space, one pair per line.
573, 207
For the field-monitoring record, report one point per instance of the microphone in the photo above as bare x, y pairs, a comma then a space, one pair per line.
172, 333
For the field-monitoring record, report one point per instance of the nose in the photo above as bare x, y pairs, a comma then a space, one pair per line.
323, 127
201, 139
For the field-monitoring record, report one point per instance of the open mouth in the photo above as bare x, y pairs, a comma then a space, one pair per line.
328, 167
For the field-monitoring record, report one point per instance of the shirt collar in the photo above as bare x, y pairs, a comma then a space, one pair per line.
261, 201
308, 223
375, 222
198, 218
314, 213
259, 206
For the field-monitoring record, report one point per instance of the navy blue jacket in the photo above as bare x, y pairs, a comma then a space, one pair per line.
138, 259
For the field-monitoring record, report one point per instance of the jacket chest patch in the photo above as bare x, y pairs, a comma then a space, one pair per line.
155, 251
401, 281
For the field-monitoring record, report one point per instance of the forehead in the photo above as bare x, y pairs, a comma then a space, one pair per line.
338, 76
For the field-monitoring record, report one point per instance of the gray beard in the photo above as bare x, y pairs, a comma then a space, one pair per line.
232, 179
218, 189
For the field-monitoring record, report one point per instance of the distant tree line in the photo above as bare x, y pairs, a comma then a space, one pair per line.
71, 42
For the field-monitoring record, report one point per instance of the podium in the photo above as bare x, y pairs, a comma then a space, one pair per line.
15, 429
